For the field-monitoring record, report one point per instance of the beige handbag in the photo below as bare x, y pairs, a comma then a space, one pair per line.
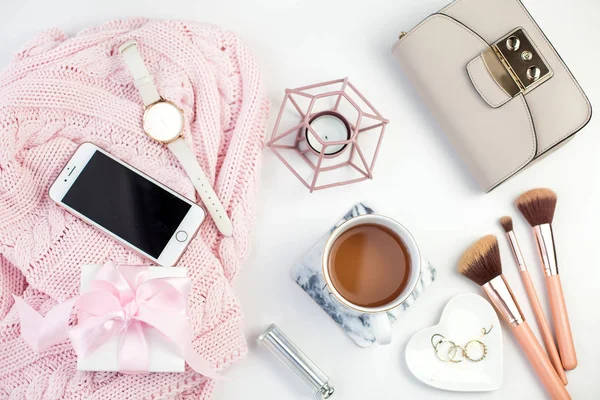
495, 85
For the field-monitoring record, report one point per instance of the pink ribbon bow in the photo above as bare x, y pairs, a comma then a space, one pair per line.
121, 301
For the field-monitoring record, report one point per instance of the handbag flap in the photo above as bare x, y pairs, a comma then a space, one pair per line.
485, 84
492, 20
495, 143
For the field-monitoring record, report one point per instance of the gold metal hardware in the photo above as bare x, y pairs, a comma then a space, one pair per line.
515, 64
513, 43
401, 35
526, 56
499, 72
533, 73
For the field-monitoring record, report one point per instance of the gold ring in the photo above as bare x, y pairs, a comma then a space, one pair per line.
452, 346
436, 344
483, 350
462, 351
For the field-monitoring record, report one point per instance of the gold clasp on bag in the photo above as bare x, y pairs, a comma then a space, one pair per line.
515, 64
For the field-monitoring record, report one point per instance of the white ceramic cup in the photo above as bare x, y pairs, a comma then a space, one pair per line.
381, 322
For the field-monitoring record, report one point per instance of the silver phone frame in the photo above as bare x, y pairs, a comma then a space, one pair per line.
174, 248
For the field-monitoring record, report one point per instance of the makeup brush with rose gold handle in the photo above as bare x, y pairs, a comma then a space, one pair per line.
481, 263
537, 206
534, 300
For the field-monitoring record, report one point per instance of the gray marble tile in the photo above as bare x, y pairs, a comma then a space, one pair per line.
308, 275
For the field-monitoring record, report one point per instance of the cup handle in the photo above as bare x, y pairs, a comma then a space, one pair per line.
382, 328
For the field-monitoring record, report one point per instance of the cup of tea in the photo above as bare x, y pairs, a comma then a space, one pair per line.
372, 264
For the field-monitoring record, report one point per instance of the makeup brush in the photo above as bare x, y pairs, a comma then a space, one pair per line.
481, 264
542, 322
537, 206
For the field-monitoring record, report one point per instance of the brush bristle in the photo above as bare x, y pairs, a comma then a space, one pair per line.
481, 262
537, 206
506, 223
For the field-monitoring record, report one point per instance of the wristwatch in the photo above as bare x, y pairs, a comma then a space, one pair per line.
163, 121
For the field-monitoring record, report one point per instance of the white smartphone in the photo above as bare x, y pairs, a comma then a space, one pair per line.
127, 205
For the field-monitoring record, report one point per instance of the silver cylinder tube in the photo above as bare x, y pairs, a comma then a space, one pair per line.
289, 354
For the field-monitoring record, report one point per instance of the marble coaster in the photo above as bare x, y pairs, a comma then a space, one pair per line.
308, 275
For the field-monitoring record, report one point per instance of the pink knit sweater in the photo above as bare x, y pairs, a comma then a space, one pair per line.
58, 93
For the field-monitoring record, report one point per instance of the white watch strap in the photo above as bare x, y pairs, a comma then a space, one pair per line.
141, 77
187, 158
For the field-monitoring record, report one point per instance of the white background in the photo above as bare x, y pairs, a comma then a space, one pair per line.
418, 180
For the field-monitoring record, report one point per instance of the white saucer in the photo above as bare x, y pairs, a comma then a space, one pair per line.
462, 320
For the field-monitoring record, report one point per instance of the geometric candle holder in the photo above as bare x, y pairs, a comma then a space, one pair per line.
328, 134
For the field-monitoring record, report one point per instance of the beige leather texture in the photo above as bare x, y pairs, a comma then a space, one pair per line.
494, 134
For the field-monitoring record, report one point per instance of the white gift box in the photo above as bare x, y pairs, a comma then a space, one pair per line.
162, 354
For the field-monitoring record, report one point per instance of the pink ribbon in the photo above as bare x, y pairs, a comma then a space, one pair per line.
122, 301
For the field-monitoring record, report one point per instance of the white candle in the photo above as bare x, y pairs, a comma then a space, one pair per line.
329, 128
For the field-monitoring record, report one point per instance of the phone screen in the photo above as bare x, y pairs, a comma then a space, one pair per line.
126, 204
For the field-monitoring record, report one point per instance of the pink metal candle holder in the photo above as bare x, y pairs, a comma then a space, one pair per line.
328, 134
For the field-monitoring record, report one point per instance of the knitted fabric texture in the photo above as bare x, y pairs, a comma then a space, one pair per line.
59, 92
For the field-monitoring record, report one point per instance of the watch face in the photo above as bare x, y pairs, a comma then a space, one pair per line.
163, 121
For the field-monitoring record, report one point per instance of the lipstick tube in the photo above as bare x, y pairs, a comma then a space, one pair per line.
295, 359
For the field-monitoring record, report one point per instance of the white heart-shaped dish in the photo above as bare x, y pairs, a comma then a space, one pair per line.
462, 320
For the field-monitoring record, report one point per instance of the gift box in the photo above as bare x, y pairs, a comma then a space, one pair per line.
162, 354
131, 319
